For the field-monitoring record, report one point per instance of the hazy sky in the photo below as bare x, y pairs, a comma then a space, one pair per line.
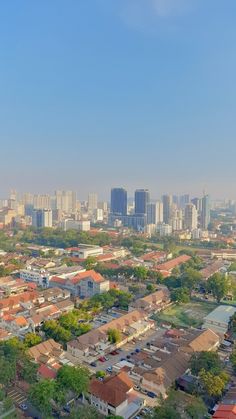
133, 93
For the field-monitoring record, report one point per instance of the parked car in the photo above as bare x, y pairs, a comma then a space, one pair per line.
93, 364
102, 359
151, 394
137, 350
23, 406
128, 356
143, 391
106, 358
122, 359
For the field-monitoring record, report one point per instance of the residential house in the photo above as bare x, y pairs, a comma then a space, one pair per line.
154, 302
115, 396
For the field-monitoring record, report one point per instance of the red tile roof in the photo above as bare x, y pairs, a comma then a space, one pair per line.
225, 411
112, 390
46, 372
168, 266
87, 274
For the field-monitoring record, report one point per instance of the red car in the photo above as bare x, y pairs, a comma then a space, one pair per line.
102, 359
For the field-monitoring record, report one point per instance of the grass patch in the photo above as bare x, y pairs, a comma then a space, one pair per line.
185, 315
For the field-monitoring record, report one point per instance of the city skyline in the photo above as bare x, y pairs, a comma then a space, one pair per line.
134, 93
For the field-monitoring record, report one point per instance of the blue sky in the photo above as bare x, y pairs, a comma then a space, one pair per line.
134, 93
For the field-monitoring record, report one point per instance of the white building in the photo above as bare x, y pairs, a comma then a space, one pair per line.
85, 250
218, 319
71, 224
92, 202
164, 229
155, 213
39, 276
190, 217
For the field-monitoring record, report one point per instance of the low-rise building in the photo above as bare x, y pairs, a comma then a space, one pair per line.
83, 251
83, 285
154, 302
218, 319
115, 396
96, 342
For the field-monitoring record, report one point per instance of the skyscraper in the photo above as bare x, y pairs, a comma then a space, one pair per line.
205, 215
184, 199
119, 201
155, 213
66, 201
167, 208
42, 218
141, 200
92, 201
190, 217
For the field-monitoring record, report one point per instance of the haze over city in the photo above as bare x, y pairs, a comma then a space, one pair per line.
96, 94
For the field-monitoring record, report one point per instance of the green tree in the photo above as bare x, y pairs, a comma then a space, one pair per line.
213, 384
85, 412
41, 394
165, 412
7, 404
100, 374
208, 361
233, 360
32, 339
114, 335
191, 278
141, 273
114, 417
90, 262
73, 378
150, 288
28, 370
180, 295
53, 330
218, 284
7, 371
197, 409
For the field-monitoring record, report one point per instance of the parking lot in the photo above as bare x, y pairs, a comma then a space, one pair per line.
17, 396
129, 347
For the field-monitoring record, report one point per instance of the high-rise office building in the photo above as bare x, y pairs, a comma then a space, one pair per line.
176, 219
184, 200
118, 201
92, 202
205, 214
190, 217
167, 208
198, 204
141, 201
42, 218
155, 213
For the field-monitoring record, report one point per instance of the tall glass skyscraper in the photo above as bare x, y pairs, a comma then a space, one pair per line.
142, 199
205, 215
119, 201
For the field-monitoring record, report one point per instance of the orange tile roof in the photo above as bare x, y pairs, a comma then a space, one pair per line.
167, 266
87, 274
21, 321
225, 412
